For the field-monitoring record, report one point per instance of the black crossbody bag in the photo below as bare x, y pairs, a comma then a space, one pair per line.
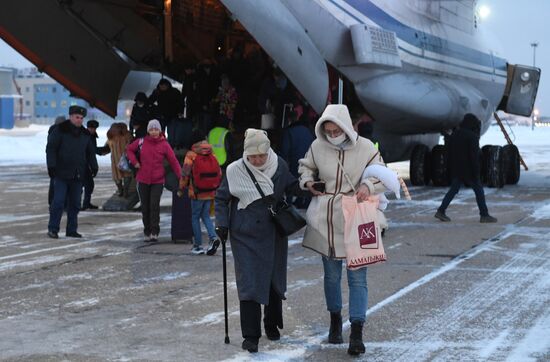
286, 217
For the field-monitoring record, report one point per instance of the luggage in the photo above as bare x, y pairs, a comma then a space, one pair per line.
181, 230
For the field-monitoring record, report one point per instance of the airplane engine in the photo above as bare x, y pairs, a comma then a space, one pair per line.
412, 103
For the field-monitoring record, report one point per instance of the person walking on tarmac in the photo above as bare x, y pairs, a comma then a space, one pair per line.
89, 184
153, 150
260, 252
69, 152
338, 157
201, 175
464, 163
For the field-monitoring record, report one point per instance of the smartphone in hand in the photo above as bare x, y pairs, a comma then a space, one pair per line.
319, 186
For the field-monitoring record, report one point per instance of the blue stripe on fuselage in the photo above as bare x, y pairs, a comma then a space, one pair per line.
422, 39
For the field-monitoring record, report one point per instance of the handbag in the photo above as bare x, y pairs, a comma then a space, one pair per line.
286, 217
124, 163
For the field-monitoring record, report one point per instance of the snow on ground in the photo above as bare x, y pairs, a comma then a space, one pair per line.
27, 146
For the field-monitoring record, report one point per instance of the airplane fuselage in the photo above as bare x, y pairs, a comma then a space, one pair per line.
423, 66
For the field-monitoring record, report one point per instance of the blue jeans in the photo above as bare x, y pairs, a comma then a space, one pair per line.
358, 291
453, 190
200, 209
69, 192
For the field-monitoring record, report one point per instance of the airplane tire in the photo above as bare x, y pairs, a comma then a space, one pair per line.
419, 168
440, 166
495, 167
484, 156
510, 160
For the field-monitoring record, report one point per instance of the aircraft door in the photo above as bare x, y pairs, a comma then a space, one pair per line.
521, 90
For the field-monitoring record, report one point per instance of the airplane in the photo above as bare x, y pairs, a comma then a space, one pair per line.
416, 66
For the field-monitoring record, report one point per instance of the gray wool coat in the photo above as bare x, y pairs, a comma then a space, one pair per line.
259, 251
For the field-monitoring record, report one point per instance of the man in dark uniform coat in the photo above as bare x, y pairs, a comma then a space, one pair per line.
88, 181
69, 153
464, 163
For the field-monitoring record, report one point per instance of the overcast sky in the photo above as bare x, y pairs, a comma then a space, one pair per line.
514, 24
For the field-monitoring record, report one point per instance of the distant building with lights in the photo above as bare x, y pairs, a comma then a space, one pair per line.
44, 99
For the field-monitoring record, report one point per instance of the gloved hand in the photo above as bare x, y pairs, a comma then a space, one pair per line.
51, 172
94, 172
222, 232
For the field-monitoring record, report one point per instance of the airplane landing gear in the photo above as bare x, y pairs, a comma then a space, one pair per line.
499, 166
441, 175
419, 167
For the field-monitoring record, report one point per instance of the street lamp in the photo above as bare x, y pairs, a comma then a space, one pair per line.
536, 111
534, 45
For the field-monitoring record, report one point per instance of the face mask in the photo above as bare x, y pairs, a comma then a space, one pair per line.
337, 140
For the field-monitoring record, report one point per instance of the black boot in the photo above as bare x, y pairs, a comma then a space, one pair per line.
335, 331
356, 345
272, 333
250, 344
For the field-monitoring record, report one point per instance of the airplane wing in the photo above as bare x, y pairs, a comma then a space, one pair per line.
80, 44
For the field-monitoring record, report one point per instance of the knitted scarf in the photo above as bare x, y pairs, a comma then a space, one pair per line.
241, 185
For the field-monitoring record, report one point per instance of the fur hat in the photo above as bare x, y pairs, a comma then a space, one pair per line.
153, 124
92, 123
77, 110
256, 142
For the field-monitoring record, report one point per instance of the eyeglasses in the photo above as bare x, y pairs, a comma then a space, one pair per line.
333, 132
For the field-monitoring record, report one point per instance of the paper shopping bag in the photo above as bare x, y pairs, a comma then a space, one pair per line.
362, 234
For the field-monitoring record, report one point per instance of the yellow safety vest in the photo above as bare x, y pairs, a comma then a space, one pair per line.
216, 137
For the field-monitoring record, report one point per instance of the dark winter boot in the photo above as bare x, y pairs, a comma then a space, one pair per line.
119, 188
441, 216
250, 344
335, 331
356, 345
486, 219
127, 181
272, 333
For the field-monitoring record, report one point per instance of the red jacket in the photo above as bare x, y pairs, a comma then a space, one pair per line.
151, 159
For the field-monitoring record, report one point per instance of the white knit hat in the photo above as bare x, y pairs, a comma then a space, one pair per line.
256, 142
153, 124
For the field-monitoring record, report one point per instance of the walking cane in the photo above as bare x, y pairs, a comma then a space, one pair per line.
224, 257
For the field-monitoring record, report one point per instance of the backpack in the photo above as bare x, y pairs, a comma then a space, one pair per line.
206, 173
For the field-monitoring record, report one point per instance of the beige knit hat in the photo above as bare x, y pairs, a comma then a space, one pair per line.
256, 142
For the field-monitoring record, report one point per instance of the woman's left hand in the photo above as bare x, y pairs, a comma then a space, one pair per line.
362, 193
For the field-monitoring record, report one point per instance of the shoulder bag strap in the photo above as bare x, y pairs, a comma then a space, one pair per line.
254, 180
346, 175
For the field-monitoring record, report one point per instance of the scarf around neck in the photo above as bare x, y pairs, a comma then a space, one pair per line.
241, 185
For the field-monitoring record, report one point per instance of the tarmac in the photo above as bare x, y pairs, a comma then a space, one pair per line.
448, 292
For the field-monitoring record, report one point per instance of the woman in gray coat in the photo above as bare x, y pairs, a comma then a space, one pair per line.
259, 250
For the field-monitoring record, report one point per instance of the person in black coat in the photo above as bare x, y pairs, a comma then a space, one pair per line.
58, 120
170, 107
69, 153
142, 113
463, 147
88, 181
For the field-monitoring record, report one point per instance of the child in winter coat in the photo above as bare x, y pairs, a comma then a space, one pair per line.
201, 175
150, 175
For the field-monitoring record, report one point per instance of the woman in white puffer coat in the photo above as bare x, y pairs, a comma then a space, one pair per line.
338, 145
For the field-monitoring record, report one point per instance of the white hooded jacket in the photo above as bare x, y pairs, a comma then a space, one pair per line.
325, 219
